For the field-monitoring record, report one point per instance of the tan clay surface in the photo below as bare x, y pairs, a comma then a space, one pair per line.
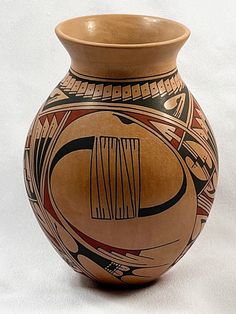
120, 162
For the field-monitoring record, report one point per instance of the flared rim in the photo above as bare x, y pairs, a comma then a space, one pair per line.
62, 35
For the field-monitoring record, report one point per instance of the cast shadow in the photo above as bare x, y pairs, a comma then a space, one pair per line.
82, 282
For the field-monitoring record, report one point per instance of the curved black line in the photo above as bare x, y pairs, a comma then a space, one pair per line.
77, 144
124, 120
123, 78
157, 209
88, 143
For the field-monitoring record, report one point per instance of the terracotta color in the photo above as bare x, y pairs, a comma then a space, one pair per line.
120, 161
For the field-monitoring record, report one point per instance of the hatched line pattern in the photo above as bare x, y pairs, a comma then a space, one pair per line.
115, 178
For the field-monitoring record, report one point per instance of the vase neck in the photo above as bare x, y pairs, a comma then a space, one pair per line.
108, 63
119, 64
153, 54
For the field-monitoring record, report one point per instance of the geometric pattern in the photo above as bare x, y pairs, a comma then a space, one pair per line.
124, 156
81, 88
151, 92
161, 106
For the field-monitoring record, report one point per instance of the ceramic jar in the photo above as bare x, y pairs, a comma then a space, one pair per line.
120, 161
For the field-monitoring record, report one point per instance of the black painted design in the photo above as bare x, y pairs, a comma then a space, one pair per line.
115, 165
115, 178
157, 209
153, 93
124, 119
198, 161
41, 146
28, 183
78, 144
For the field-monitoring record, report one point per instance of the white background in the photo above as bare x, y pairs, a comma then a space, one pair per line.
33, 278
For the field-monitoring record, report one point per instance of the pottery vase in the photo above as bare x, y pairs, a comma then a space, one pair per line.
120, 162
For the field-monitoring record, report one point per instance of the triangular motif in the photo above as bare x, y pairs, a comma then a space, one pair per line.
56, 95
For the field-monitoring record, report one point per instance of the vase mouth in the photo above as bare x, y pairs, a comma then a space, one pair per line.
122, 31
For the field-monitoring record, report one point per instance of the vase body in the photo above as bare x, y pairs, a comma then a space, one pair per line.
121, 171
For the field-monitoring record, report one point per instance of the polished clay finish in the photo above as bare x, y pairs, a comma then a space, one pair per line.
120, 162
